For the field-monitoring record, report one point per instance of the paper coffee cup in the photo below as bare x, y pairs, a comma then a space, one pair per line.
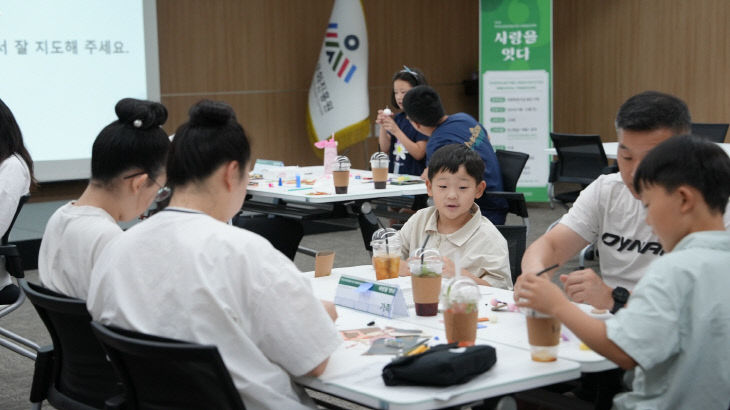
323, 262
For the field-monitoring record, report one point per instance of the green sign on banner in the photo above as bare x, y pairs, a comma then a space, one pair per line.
515, 84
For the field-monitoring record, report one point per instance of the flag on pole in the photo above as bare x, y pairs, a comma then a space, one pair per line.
338, 96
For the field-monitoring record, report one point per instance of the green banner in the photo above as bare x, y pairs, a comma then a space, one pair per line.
515, 85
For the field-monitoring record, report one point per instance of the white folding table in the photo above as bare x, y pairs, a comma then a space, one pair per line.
357, 377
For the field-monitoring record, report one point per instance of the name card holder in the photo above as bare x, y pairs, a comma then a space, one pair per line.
373, 297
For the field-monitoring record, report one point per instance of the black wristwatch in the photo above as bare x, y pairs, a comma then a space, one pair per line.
620, 297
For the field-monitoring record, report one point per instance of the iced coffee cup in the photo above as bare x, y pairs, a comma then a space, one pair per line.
341, 174
461, 308
543, 334
379, 165
425, 268
386, 253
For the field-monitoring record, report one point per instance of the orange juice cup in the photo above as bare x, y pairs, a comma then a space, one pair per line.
386, 257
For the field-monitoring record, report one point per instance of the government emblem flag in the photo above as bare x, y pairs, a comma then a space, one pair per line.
338, 96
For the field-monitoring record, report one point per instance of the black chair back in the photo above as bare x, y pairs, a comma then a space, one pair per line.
581, 157
80, 369
284, 234
161, 373
713, 132
6, 235
516, 236
511, 163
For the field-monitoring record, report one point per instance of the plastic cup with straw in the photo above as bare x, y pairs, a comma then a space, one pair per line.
461, 307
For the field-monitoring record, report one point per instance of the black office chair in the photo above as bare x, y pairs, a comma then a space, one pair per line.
12, 295
581, 160
713, 132
284, 234
368, 222
516, 236
73, 373
511, 164
162, 373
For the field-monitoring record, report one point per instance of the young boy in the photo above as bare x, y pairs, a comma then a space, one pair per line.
676, 326
455, 224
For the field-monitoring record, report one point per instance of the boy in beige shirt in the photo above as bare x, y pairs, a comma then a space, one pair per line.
454, 223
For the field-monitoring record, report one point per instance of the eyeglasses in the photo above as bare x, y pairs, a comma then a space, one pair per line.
162, 193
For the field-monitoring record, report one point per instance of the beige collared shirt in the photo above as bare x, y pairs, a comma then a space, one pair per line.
482, 248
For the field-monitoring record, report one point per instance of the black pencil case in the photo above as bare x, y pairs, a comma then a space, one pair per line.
441, 365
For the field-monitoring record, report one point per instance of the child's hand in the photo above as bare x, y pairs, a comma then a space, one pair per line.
387, 122
403, 268
447, 271
382, 116
539, 293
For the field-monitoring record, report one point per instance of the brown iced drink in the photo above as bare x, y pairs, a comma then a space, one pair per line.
426, 292
380, 177
341, 180
379, 164
543, 333
461, 327
386, 266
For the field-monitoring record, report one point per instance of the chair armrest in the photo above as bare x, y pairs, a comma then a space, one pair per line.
42, 374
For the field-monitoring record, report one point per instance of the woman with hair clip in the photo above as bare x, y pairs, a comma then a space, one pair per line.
16, 177
405, 146
127, 173
184, 273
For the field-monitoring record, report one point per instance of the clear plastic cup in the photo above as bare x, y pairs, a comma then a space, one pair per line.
543, 334
379, 164
341, 174
425, 267
461, 310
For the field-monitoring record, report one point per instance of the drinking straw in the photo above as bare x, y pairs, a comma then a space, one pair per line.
423, 247
549, 268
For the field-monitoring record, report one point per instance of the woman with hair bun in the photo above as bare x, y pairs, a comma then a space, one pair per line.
16, 177
184, 273
127, 173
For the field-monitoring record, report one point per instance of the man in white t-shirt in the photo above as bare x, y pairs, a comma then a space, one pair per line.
609, 213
